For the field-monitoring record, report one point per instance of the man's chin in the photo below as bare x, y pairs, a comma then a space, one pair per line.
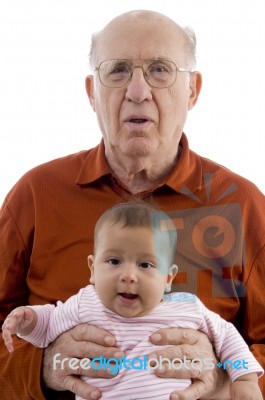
139, 147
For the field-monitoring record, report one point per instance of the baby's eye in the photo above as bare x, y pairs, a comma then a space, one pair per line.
146, 265
113, 261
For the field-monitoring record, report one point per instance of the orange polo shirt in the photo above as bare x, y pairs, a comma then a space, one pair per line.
46, 233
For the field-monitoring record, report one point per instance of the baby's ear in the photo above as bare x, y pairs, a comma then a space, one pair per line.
174, 270
90, 261
171, 275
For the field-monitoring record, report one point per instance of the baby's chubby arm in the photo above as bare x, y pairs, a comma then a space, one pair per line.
21, 320
246, 388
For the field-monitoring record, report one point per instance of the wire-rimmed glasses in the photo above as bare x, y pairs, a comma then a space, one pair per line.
158, 73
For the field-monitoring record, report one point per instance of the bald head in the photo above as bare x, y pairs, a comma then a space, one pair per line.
138, 26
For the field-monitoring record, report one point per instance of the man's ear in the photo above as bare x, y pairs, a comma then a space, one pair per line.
90, 261
90, 90
195, 88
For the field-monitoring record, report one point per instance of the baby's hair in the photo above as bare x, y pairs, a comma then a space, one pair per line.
140, 214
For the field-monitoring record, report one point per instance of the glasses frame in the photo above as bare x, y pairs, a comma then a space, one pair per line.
177, 69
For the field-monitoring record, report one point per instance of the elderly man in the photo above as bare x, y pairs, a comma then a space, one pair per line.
143, 87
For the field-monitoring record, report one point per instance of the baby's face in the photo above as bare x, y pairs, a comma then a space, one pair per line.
125, 271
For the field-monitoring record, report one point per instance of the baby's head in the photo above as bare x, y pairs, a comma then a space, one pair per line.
133, 262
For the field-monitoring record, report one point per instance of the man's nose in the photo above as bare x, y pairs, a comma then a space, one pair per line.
138, 90
129, 274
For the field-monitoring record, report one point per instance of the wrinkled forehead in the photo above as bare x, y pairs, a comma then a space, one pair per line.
141, 36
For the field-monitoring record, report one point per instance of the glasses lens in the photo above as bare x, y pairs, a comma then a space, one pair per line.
115, 73
160, 73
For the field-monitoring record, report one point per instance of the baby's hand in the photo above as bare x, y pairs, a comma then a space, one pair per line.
244, 390
22, 320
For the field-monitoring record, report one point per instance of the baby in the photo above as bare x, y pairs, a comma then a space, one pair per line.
132, 267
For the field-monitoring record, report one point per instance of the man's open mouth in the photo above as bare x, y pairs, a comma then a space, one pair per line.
138, 120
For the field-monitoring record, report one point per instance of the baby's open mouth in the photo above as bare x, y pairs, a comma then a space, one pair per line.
130, 296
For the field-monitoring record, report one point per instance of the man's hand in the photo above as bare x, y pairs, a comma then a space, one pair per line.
206, 384
83, 341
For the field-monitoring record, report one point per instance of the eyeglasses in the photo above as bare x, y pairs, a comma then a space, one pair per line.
158, 73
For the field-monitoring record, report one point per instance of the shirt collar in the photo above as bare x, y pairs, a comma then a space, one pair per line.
187, 175
95, 166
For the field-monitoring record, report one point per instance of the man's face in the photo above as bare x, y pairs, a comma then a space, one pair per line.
124, 270
163, 111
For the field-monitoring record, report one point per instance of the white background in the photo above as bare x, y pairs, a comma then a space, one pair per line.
44, 112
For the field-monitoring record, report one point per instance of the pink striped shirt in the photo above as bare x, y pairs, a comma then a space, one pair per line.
132, 336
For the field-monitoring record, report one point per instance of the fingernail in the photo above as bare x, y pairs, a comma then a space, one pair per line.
153, 355
118, 354
95, 395
109, 341
153, 360
156, 337
161, 369
109, 371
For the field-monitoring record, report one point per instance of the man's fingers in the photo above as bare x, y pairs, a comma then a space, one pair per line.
82, 389
85, 367
193, 392
175, 336
92, 350
184, 344
180, 373
70, 355
87, 341
91, 333
192, 351
178, 353
98, 372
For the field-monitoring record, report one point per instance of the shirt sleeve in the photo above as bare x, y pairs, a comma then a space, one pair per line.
16, 380
54, 320
253, 324
233, 352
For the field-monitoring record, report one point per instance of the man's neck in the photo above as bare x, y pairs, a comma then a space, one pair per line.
140, 175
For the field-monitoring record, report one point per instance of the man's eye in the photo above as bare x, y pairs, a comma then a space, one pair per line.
146, 265
113, 261
120, 70
159, 68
